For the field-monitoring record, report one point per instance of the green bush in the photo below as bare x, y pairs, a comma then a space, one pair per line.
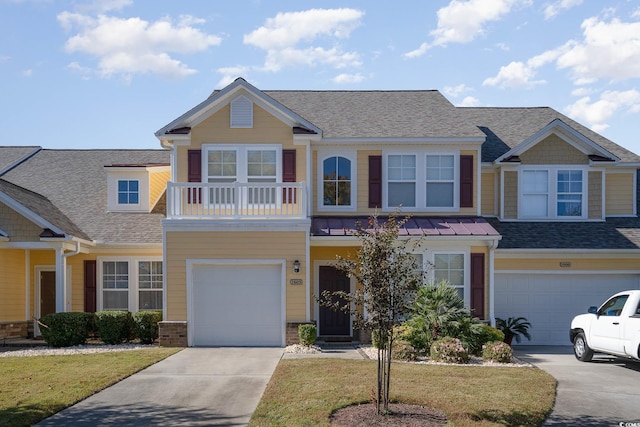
307, 334
146, 325
497, 351
449, 350
66, 329
115, 327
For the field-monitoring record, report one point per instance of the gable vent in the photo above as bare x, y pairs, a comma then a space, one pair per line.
241, 112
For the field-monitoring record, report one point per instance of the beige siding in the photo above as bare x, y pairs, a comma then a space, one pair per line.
595, 195
17, 226
215, 130
12, 285
553, 151
511, 194
234, 245
488, 196
157, 186
619, 194
577, 264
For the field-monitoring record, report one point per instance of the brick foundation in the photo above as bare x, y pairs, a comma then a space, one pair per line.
172, 333
292, 332
15, 329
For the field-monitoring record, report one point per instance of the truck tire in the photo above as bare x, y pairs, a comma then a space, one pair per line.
580, 348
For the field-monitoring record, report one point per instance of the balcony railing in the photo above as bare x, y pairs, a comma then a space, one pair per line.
236, 200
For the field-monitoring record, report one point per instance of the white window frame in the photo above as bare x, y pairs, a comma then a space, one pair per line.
352, 157
552, 192
242, 173
133, 290
428, 266
421, 180
128, 174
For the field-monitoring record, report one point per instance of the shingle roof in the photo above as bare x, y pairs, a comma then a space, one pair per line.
10, 156
379, 114
76, 183
42, 207
505, 128
614, 233
415, 226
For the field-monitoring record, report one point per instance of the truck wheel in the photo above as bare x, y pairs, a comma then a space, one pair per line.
580, 348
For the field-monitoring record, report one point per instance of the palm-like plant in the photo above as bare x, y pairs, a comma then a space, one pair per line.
514, 327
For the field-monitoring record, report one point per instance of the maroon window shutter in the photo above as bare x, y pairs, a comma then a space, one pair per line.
466, 181
477, 285
90, 289
375, 181
289, 175
194, 174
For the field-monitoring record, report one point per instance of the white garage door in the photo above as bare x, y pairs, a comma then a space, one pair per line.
237, 305
550, 301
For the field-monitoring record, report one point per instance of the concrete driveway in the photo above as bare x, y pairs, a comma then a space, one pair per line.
197, 386
604, 392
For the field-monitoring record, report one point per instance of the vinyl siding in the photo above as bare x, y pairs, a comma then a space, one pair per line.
234, 245
488, 194
12, 285
157, 186
511, 195
553, 150
619, 194
595, 195
19, 228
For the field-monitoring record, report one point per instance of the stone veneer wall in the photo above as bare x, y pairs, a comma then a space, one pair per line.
172, 333
15, 329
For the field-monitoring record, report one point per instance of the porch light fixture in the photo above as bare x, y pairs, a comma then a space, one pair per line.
296, 266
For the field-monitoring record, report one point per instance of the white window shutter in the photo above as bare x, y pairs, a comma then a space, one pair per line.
241, 112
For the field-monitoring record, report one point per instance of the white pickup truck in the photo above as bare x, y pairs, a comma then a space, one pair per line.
613, 329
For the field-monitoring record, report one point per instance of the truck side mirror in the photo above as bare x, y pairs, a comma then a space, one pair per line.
593, 309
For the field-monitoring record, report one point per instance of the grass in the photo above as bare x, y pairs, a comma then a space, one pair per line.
34, 388
306, 392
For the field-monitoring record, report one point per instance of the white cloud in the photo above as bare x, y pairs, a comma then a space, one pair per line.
469, 101
229, 74
128, 46
27, 73
556, 7
282, 36
609, 50
456, 91
581, 91
596, 113
516, 74
345, 78
463, 21
636, 14
102, 6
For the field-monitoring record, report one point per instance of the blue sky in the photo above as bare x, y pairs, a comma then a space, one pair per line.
109, 73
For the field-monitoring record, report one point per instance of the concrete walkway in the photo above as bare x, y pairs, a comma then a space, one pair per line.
604, 392
197, 386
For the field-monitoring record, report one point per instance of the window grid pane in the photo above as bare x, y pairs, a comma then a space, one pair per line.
401, 186
569, 187
222, 163
450, 267
336, 181
440, 181
115, 285
128, 192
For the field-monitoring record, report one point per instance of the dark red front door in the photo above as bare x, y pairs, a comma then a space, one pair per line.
333, 322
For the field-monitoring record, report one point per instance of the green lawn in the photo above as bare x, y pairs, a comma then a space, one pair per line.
33, 388
306, 392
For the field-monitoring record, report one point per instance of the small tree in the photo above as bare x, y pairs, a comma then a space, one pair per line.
389, 277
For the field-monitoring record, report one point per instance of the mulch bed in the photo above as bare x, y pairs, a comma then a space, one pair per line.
365, 415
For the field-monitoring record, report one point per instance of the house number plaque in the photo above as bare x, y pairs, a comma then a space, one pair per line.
565, 264
295, 282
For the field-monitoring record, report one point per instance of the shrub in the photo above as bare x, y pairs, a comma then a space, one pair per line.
497, 351
66, 329
376, 339
402, 348
146, 325
449, 350
307, 334
115, 327
476, 334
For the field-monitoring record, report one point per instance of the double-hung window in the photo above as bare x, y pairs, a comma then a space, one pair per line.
552, 193
450, 267
131, 284
422, 181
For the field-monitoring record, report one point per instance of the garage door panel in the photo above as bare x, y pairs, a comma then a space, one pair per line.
237, 305
550, 301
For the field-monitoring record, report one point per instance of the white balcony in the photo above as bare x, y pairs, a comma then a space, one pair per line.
236, 200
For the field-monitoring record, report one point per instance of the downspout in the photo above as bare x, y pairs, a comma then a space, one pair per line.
492, 249
63, 291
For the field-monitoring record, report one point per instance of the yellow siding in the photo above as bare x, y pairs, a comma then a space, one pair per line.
619, 194
511, 194
488, 193
215, 130
234, 245
577, 264
157, 185
17, 226
12, 285
595, 195
553, 151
